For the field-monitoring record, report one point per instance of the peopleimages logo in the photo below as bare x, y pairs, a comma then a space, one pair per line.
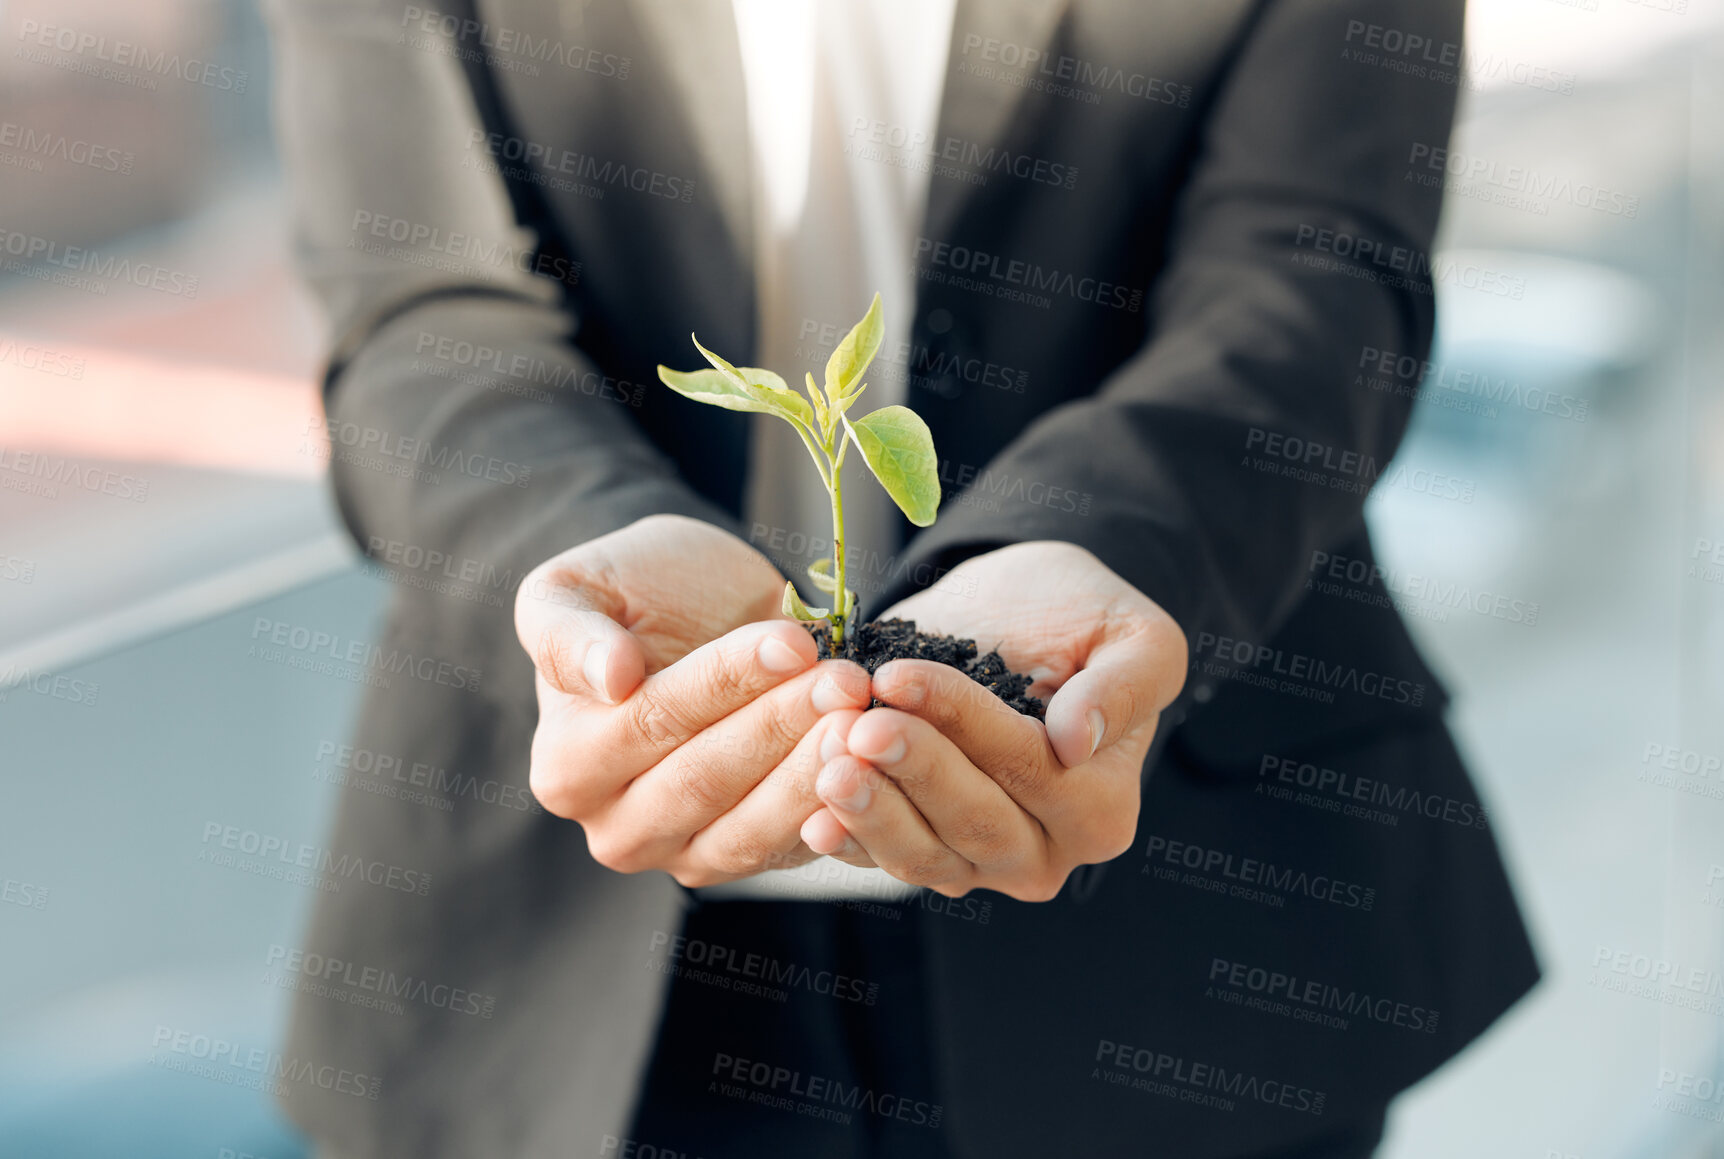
374, 980
70, 150
1311, 1000
1522, 180
99, 50
64, 264
1238, 659
29, 356
1252, 879
1408, 268
534, 156
270, 850
983, 269
727, 963
1411, 377
319, 644
405, 449
1349, 787
228, 1062
1201, 1083
779, 1087
881, 140
419, 243
500, 41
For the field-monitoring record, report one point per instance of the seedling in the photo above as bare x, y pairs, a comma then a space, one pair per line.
894, 442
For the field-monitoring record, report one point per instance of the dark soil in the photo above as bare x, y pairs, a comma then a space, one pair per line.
873, 644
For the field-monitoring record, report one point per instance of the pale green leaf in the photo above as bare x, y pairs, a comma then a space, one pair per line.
900, 451
824, 415
820, 571
850, 400
850, 361
786, 400
795, 608
715, 388
763, 385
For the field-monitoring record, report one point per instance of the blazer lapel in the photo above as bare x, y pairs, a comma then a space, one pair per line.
976, 109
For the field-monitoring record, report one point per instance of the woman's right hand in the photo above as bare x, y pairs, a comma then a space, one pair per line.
682, 717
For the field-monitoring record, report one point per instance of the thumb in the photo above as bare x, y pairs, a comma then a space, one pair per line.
565, 619
1124, 684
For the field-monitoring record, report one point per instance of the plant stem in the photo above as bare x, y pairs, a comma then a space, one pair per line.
840, 613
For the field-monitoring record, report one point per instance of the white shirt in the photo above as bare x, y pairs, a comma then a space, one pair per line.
843, 103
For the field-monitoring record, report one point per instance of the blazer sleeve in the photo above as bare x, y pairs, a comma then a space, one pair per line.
447, 455
1258, 325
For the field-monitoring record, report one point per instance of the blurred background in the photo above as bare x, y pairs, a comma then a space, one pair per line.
160, 491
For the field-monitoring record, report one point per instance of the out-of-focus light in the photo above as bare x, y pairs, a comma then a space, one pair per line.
107, 404
1510, 41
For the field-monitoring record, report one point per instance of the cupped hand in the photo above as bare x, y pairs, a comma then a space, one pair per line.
680, 715
951, 789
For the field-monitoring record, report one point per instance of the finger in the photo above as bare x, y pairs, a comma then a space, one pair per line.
673, 706
762, 831
1116, 695
570, 632
887, 826
1010, 747
829, 831
721, 766
965, 808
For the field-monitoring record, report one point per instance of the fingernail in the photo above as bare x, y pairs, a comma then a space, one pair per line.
831, 746
829, 697
593, 668
842, 786
891, 755
1097, 730
777, 656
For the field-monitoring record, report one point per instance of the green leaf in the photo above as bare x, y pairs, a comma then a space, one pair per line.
848, 363
783, 398
850, 401
820, 411
763, 385
715, 388
795, 608
820, 571
900, 451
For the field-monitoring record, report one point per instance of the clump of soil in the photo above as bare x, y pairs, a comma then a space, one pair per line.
873, 644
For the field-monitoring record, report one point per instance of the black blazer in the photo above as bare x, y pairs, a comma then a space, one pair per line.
512, 209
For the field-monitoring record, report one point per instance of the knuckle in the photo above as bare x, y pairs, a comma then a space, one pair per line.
726, 674
550, 786
1017, 770
692, 783
943, 708
798, 774
1106, 833
932, 868
697, 876
912, 780
982, 838
1132, 704
1119, 837
738, 853
657, 722
612, 850
556, 659
1038, 887
781, 727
